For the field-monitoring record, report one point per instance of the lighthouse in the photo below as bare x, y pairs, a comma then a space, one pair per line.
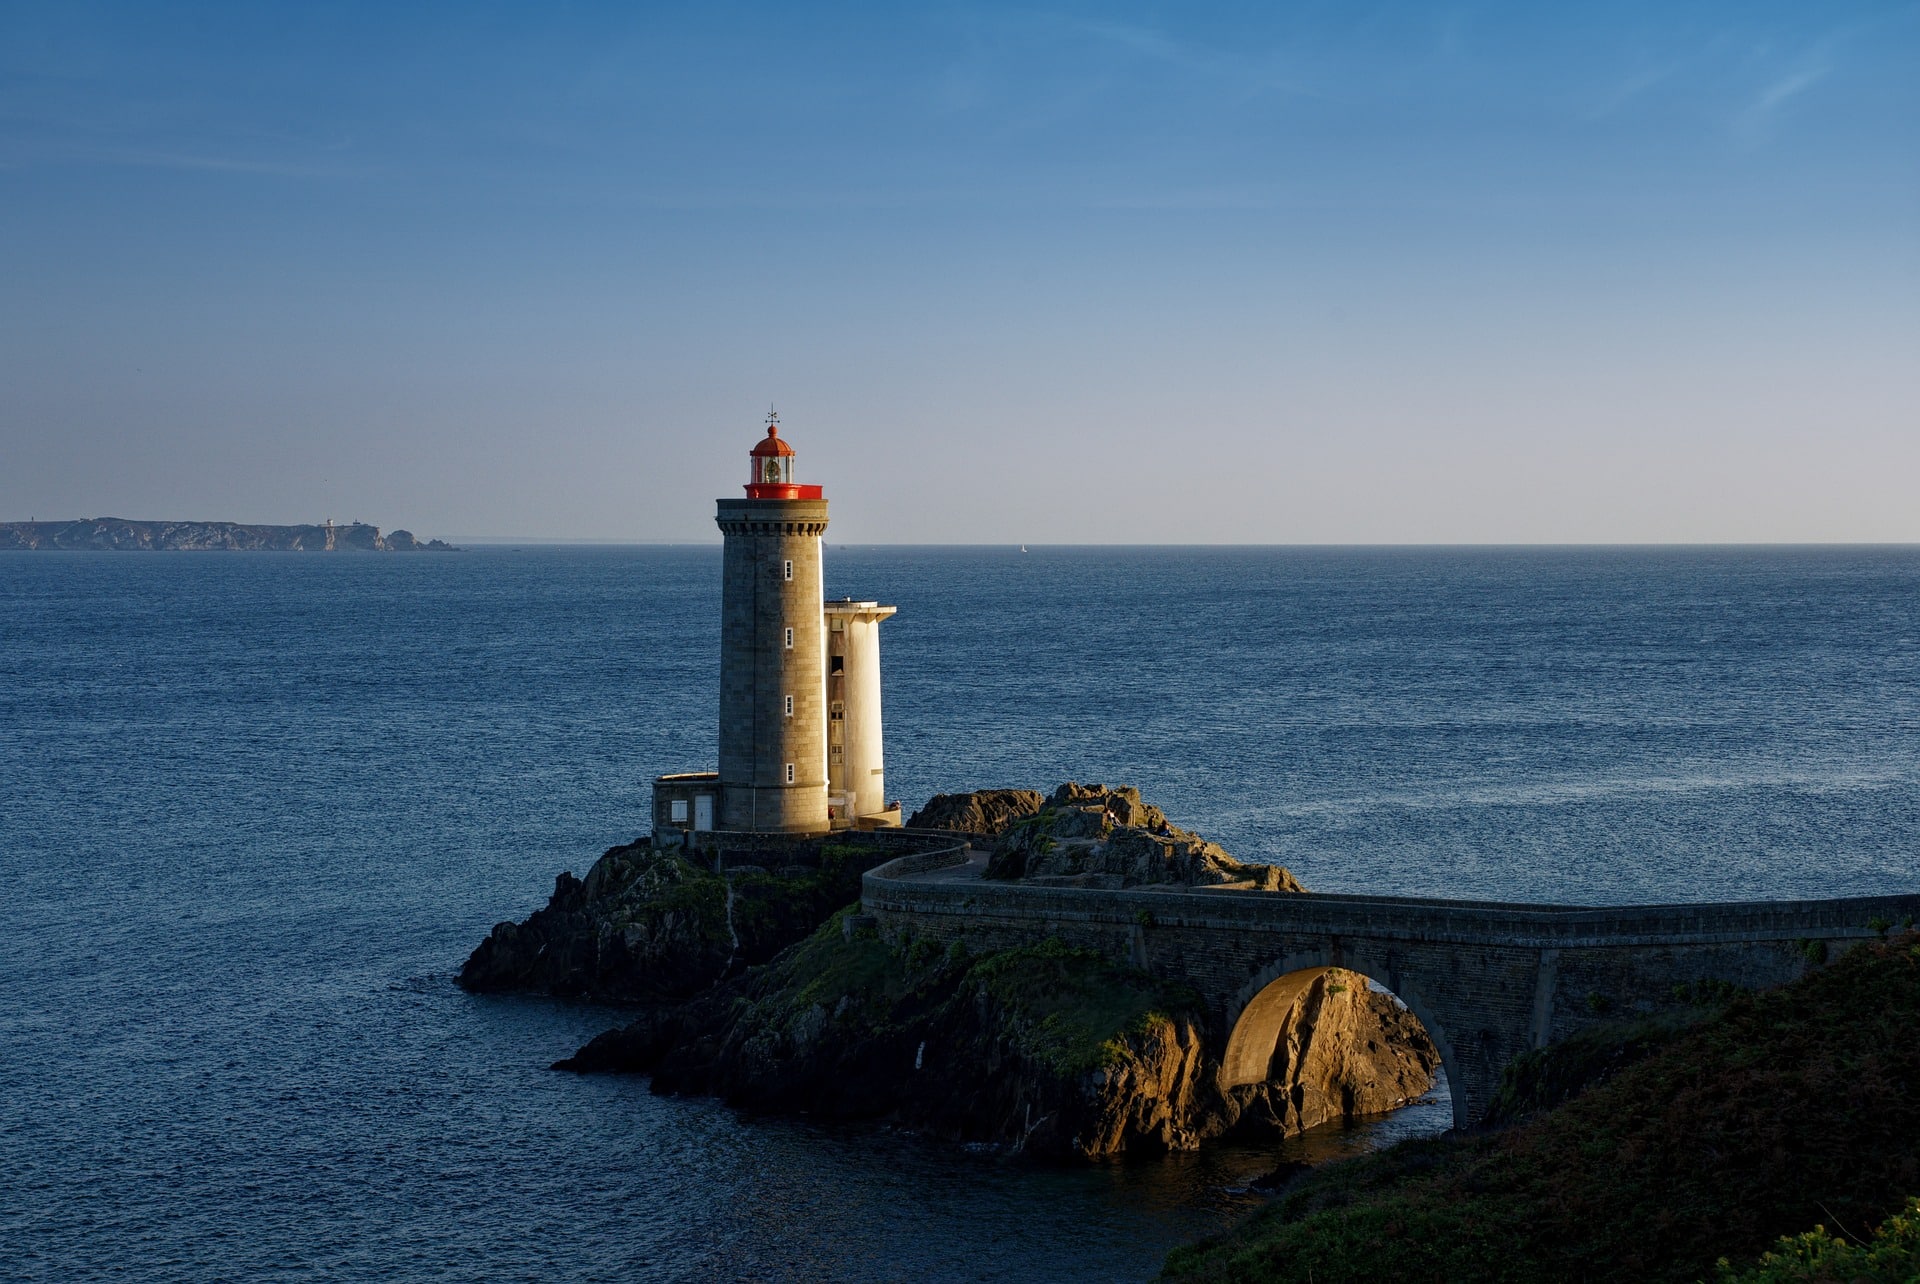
800, 748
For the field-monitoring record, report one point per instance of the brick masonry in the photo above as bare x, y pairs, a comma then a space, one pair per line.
1488, 980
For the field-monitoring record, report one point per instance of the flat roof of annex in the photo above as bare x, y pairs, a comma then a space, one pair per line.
847, 606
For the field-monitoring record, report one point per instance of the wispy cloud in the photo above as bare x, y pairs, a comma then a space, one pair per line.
25, 156
1753, 123
1787, 80
1787, 87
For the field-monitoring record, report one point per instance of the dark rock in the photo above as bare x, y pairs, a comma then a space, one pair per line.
630, 1049
651, 926
1269, 1183
984, 811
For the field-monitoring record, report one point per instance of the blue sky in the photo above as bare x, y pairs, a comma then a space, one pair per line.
1116, 273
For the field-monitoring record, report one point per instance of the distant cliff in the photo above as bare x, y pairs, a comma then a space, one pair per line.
93, 533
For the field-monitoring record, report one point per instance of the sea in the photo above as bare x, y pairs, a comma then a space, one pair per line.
256, 808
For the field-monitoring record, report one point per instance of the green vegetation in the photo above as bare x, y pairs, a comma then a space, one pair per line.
1708, 994
644, 888
1892, 1256
1070, 1008
1547, 1077
836, 965
770, 909
1788, 1108
1064, 1009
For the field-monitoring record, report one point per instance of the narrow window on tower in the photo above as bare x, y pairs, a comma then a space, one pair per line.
789, 568
789, 773
789, 706
789, 639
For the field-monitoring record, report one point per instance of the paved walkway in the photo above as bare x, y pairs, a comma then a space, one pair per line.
975, 867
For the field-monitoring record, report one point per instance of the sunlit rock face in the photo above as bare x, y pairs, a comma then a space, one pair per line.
1342, 1049
1093, 836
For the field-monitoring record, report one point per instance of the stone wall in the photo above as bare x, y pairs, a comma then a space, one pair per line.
747, 847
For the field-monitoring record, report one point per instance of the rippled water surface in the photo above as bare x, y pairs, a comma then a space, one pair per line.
255, 809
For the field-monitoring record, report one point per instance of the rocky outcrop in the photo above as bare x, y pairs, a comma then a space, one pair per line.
1093, 836
1045, 1050
118, 533
984, 811
404, 541
1345, 1049
653, 926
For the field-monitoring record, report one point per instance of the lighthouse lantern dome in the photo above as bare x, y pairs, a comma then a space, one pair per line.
771, 472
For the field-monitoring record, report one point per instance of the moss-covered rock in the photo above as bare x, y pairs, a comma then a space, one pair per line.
648, 925
1047, 1050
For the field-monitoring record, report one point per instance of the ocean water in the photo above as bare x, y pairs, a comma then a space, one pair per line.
256, 808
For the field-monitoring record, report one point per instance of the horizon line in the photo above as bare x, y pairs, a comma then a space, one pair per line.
561, 541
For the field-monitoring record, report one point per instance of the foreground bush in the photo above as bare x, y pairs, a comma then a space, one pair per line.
1892, 1256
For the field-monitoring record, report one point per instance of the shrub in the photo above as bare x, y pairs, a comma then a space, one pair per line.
1892, 1256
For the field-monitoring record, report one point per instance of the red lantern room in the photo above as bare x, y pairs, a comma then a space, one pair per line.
772, 475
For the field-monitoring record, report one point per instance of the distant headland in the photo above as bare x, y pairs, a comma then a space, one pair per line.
116, 533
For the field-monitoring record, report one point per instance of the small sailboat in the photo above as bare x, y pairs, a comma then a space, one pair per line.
1023, 548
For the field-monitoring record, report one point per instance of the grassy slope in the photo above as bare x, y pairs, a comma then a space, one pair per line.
1790, 1108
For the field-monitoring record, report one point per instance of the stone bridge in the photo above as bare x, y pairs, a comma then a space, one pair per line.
1488, 980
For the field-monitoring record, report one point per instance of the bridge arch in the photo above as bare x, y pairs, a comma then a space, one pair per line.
1259, 1010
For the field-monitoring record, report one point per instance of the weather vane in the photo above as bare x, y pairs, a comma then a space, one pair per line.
773, 416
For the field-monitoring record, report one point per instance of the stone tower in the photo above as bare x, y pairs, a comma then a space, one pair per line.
773, 732
800, 741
